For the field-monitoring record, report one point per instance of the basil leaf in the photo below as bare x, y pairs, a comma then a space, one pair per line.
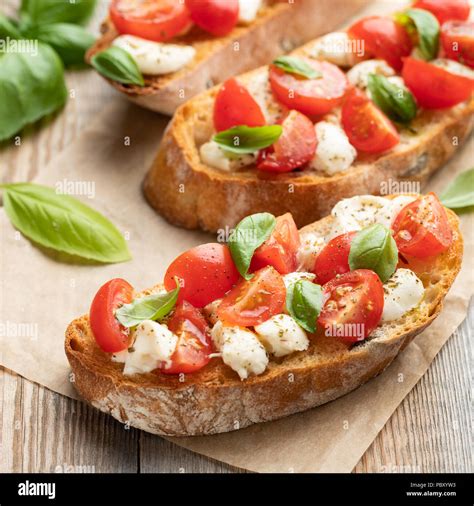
150, 307
39, 12
427, 27
374, 248
118, 65
31, 86
244, 139
460, 193
69, 41
8, 28
63, 223
395, 101
304, 301
297, 66
247, 236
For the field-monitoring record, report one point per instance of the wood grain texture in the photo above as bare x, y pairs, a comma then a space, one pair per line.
41, 431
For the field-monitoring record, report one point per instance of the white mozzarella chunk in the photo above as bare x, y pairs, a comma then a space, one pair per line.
153, 346
259, 87
311, 245
212, 155
387, 215
281, 335
359, 74
402, 292
293, 277
334, 153
335, 47
155, 58
240, 349
248, 10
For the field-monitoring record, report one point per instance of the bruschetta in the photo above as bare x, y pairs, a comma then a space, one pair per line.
183, 48
385, 100
271, 323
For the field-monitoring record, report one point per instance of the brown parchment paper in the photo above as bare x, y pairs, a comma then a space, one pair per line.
39, 296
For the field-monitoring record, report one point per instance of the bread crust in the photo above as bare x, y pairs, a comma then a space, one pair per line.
215, 400
265, 38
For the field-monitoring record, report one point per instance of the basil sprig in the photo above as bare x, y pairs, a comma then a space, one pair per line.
151, 307
395, 101
63, 223
304, 301
297, 66
247, 236
460, 193
426, 26
118, 65
244, 139
374, 248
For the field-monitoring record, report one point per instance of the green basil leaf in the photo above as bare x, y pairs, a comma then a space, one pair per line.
247, 236
426, 26
70, 41
118, 65
8, 28
297, 66
460, 193
63, 223
151, 307
374, 248
244, 139
395, 101
39, 12
31, 86
304, 301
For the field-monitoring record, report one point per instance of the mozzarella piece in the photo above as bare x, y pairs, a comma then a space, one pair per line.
240, 349
454, 67
259, 87
311, 245
155, 58
402, 292
335, 48
334, 153
154, 344
387, 215
281, 335
248, 10
359, 74
212, 155
293, 277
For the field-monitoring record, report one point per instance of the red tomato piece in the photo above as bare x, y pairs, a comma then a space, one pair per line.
235, 106
295, 146
382, 38
194, 340
445, 10
421, 229
280, 249
354, 305
310, 96
254, 301
109, 334
217, 17
435, 87
457, 38
366, 126
333, 258
205, 274
158, 20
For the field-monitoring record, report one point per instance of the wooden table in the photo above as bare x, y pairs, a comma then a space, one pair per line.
41, 431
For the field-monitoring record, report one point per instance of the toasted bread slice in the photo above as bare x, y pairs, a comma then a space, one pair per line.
214, 399
279, 27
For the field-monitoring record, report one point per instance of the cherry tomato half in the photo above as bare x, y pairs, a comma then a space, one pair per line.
109, 334
235, 106
194, 340
445, 10
333, 258
205, 273
421, 229
157, 20
217, 17
310, 96
254, 301
457, 38
354, 305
